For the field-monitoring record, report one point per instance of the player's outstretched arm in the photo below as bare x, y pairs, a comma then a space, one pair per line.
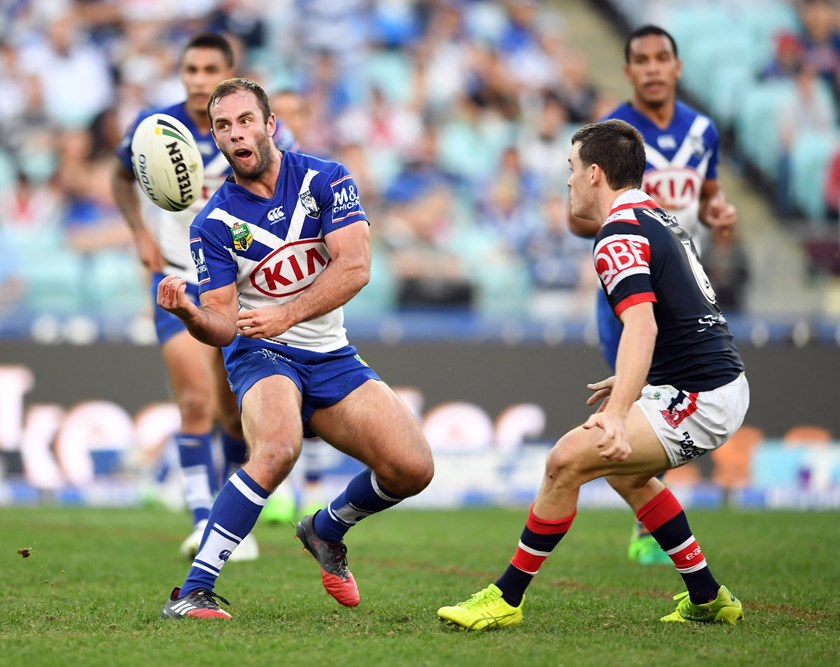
214, 323
127, 200
346, 274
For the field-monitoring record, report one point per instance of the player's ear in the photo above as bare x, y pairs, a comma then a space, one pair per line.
271, 125
678, 68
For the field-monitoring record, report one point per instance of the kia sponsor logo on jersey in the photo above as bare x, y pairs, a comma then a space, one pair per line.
291, 269
674, 189
619, 256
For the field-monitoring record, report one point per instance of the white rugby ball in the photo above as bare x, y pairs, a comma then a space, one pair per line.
167, 163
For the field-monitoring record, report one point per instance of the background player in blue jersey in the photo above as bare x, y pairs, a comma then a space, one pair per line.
682, 152
278, 251
679, 389
196, 372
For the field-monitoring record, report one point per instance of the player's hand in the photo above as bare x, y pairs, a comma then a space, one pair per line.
172, 297
262, 322
613, 444
600, 390
720, 214
148, 251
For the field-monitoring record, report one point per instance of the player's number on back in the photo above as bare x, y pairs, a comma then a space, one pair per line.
699, 272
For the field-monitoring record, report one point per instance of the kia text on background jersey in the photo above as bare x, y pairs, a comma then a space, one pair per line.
679, 159
643, 255
171, 229
273, 249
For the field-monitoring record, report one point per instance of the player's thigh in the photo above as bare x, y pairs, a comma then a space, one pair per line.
191, 368
373, 425
228, 410
271, 415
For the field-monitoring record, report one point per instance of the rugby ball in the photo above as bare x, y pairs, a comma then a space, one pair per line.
167, 163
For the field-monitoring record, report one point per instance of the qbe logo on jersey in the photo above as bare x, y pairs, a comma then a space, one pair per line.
620, 256
291, 269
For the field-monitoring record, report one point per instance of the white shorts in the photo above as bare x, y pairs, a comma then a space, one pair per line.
689, 424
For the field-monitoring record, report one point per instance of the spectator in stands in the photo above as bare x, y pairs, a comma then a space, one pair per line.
786, 59
429, 271
62, 60
544, 144
560, 266
832, 188
508, 205
820, 39
725, 261
811, 108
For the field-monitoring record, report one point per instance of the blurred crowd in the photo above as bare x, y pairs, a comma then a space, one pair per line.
453, 115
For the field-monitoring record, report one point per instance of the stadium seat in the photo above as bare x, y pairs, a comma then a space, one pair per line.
733, 461
810, 158
757, 124
728, 84
54, 284
709, 54
116, 285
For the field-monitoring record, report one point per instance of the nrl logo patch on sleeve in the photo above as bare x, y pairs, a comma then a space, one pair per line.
309, 203
241, 236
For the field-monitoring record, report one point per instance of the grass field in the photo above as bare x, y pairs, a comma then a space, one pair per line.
92, 589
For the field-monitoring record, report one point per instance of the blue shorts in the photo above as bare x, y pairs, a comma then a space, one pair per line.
609, 330
167, 324
323, 378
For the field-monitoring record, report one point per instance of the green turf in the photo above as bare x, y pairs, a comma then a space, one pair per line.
92, 589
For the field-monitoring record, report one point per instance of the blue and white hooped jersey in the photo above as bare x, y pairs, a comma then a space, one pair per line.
275, 248
171, 228
642, 255
679, 159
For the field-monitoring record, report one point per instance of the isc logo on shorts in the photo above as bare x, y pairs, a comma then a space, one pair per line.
291, 269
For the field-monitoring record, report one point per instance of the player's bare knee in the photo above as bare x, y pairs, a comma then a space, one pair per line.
561, 466
273, 460
195, 408
407, 477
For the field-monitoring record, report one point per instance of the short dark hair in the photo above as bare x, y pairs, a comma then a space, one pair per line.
230, 86
211, 40
644, 31
617, 148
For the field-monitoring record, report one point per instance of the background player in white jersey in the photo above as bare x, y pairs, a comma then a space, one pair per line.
278, 251
682, 152
679, 389
196, 372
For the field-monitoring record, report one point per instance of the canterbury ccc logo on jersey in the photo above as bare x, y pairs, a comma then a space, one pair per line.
291, 269
275, 214
673, 188
619, 256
